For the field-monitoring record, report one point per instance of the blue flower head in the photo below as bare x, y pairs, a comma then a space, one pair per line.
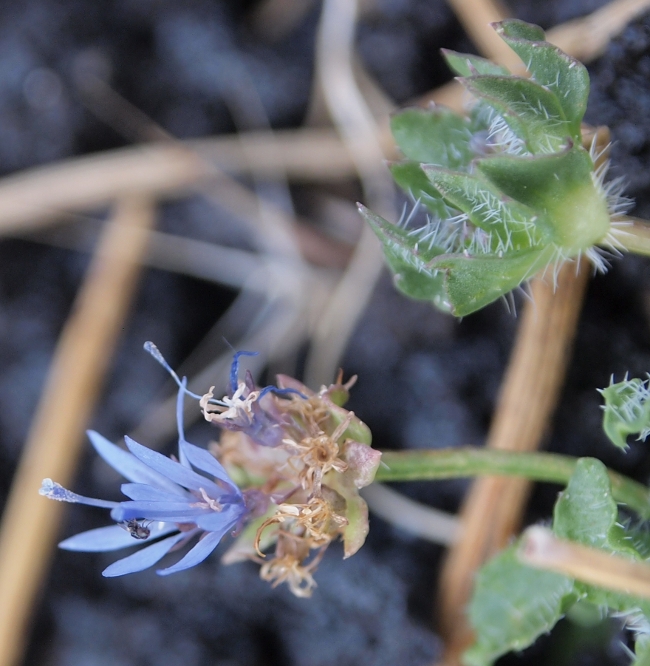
170, 504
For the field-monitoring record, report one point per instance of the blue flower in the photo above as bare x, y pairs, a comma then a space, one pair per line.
166, 499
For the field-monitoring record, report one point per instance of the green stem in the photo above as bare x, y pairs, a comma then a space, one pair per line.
470, 461
635, 237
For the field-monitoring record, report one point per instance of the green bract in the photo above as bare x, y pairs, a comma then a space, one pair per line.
509, 190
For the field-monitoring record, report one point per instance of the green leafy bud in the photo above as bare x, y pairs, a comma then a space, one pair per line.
509, 191
626, 410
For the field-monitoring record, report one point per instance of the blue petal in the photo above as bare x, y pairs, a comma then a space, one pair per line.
56, 491
206, 462
144, 558
169, 512
129, 466
142, 491
156, 505
223, 520
104, 539
173, 470
195, 556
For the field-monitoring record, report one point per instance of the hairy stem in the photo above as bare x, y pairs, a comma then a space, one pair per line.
470, 461
635, 237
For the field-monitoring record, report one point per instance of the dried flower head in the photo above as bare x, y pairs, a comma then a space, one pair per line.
291, 566
324, 458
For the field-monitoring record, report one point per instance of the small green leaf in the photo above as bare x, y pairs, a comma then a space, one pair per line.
400, 241
509, 222
474, 282
436, 136
409, 261
512, 605
410, 177
563, 75
531, 111
465, 64
627, 411
586, 511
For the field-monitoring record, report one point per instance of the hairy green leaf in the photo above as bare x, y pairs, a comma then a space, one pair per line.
435, 136
401, 240
509, 222
531, 111
586, 511
474, 282
512, 605
410, 177
563, 75
409, 261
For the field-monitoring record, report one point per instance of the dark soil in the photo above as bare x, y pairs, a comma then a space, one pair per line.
424, 380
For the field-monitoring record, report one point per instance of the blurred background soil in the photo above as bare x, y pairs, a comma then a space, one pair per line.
425, 380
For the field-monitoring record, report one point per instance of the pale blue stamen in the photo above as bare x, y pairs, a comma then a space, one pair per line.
234, 368
151, 348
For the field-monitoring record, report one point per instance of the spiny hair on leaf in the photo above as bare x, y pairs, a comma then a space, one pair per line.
409, 257
440, 232
406, 219
495, 210
612, 190
558, 258
599, 258
550, 119
618, 205
457, 234
501, 138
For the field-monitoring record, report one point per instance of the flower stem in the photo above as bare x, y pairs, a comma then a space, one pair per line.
635, 237
470, 461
